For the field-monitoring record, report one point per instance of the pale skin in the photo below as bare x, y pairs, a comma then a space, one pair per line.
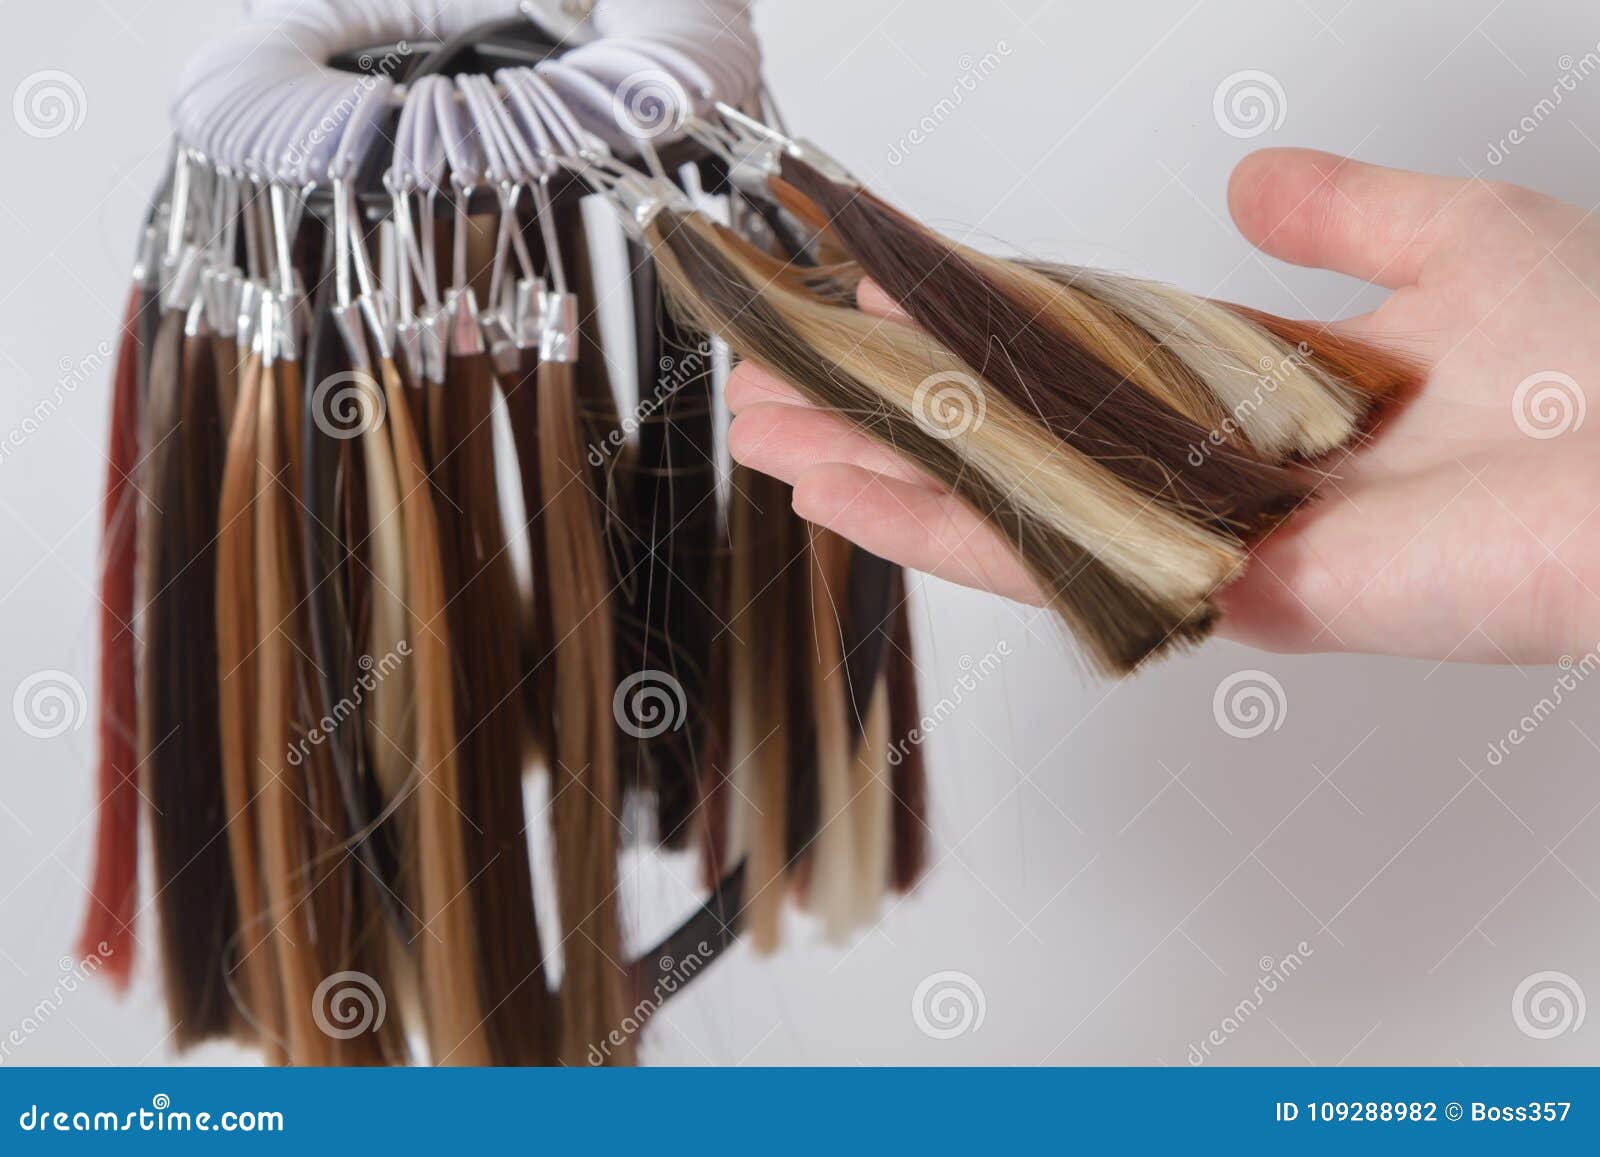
1453, 534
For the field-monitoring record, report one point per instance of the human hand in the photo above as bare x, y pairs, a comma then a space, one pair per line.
1466, 527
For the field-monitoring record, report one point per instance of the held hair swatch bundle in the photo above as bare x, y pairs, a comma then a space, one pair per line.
411, 569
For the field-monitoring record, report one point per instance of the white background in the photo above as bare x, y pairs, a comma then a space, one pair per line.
1111, 868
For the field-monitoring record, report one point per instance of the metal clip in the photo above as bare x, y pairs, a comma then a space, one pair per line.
267, 328
249, 315
434, 332
640, 199
528, 312
558, 340
222, 287
755, 162
503, 351
181, 277
294, 320
194, 323
466, 335
748, 128
408, 341
147, 262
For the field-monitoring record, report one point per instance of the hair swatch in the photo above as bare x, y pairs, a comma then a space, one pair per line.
108, 923
255, 985
180, 748
283, 815
1128, 566
835, 850
585, 800
769, 725
907, 777
379, 921
880, 367
326, 473
482, 600
1063, 366
679, 520
519, 388
452, 998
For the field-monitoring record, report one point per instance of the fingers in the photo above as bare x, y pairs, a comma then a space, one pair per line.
1379, 567
1318, 583
871, 299
1314, 208
862, 490
785, 441
753, 385
858, 488
913, 526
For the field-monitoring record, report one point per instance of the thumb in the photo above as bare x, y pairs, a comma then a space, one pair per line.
1314, 208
